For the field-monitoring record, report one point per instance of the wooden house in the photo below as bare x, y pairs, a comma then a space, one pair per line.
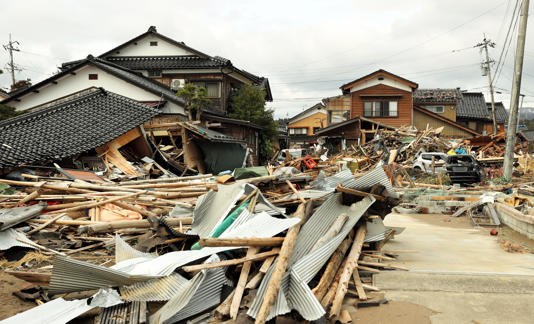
303, 126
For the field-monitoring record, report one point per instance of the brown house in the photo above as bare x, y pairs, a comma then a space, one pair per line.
382, 96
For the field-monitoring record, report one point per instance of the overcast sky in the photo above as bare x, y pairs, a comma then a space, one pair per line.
307, 49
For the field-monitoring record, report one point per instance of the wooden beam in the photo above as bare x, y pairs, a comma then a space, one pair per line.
253, 241
281, 264
226, 263
240, 287
352, 263
359, 193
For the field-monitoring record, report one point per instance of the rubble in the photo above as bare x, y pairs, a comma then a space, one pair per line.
285, 240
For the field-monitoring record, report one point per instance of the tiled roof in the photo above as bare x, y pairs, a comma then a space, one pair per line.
69, 128
472, 106
528, 134
3, 93
168, 62
430, 96
500, 112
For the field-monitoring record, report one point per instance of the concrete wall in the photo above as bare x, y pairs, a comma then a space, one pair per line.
518, 221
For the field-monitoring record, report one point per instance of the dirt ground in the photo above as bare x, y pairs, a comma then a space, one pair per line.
10, 304
393, 313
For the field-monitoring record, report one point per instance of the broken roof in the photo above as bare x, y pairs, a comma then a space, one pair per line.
350, 121
69, 128
437, 95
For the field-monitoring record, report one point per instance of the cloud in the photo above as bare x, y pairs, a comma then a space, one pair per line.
307, 49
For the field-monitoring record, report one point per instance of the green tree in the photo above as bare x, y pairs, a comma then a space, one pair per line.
8, 112
248, 103
195, 99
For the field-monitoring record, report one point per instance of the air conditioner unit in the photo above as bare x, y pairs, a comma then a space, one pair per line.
177, 84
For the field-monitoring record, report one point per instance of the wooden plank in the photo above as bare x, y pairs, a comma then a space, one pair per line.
281, 264
358, 193
252, 241
226, 263
359, 286
240, 287
352, 262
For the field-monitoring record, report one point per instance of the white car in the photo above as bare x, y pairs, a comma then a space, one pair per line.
423, 162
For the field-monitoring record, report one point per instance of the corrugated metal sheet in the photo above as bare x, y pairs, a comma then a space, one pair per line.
123, 251
55, 311
12, 216
304, 265
201, 293
70, 275
8, 239
214, 207
62, 311
155, 290
377, 175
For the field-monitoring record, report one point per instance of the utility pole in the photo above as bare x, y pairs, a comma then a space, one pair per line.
485, 44
11, 65
516, 88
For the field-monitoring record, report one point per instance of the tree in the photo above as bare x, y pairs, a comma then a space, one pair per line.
195, 99
248, 103
8, 112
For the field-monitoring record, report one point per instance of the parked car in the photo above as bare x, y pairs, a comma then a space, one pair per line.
295, 154
463, 168
423, 161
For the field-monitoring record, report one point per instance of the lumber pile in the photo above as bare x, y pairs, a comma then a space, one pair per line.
249, 236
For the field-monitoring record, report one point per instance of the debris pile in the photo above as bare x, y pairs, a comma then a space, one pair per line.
255, 247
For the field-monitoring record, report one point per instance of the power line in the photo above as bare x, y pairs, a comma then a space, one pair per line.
418, 45
507, 39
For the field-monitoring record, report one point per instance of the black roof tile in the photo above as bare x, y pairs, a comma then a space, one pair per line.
472, 106
168, 62
500, 112
69, 128
437, 95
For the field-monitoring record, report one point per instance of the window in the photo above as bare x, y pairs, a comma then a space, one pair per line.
380, 109
316, 129
154, 73
153, 43
212, 88
93, 76
338, 116
298, 131
435, 109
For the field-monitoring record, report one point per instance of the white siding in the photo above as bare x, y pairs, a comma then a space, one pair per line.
69, 84
386, 81
143, 48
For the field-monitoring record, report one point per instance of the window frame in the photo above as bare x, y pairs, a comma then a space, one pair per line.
204, 84
376, 108
293, 129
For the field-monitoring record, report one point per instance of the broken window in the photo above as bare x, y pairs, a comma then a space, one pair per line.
338, 116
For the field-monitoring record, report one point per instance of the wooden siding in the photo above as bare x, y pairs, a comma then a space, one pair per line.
404, 106
316, 120
421, 120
